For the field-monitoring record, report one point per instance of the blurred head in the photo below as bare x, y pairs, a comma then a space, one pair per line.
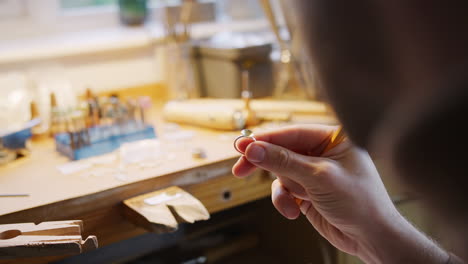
396, 73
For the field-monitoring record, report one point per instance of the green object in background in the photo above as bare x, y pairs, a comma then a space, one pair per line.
74, 4
133, 12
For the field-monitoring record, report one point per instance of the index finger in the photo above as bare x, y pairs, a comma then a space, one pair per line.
303, 139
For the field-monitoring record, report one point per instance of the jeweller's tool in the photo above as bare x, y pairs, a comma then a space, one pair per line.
144, 103
14, 195
164, 210
54, 116
245, 133
45, 239
246, 94
185, 19
288, 75
210, 113
198, 153
228, 114
336, 138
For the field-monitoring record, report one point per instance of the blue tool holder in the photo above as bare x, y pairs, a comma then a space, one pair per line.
17, 140
101, 145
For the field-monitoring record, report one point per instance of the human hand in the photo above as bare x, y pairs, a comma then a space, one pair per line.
343, 195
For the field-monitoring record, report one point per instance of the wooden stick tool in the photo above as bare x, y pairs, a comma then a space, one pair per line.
336, 138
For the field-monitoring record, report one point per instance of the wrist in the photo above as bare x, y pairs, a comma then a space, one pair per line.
395, 240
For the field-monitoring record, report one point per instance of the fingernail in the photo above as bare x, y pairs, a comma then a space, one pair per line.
291, 212
255, 153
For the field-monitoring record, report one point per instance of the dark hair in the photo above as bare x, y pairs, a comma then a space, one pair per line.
396, 73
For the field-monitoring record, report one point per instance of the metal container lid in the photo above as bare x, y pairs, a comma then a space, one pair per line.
234, 46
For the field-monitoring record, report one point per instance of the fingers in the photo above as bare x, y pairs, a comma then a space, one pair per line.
293, 187
304, 139
283, 201
300, 139
305, 206
242, 143
280, 161
243, 168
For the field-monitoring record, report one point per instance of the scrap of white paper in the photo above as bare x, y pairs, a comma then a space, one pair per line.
74, 166
121, 176
161, 198
180, 135
104, 159
99, 172
140, 151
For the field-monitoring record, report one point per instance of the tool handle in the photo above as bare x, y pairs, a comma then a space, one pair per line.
336, 138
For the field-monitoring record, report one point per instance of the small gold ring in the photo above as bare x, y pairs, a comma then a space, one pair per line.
245, 133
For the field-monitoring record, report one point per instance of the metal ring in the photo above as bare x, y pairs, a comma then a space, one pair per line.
239, 137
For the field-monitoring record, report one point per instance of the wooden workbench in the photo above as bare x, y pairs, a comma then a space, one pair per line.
97, 199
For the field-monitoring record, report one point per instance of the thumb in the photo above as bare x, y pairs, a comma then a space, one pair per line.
279, 160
